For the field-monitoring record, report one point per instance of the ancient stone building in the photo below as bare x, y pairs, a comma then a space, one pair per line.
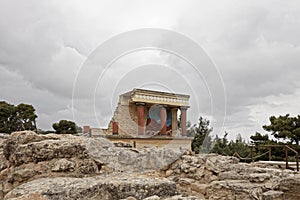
148, 116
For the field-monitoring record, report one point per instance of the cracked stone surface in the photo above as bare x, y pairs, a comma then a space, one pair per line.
74, 167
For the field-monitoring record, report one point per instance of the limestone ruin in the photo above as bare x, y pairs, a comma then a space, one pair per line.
149, 118
75, 167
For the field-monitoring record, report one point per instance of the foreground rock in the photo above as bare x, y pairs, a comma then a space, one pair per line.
211, 176
3, 161
30, 156
27, 156
108, 187
70, 167
290, 186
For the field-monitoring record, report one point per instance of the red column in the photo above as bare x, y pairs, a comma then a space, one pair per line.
163, 120
141, 114
86, 129
183, 120
115, 128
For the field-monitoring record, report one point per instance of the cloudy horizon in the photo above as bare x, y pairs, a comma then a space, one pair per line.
254, 46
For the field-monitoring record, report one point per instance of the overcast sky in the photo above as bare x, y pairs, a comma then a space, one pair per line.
253, 45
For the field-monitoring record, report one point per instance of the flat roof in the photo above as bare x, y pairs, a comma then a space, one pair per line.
157, 97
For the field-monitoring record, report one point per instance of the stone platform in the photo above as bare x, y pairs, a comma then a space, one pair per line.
175, 143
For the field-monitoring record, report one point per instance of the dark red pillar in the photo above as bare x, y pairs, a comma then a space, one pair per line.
183, 121
140, 115
115, 128
86, 129
163, 120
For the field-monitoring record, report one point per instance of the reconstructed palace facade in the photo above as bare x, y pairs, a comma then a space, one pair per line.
148, 117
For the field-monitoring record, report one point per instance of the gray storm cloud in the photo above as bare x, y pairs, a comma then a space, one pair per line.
254, 44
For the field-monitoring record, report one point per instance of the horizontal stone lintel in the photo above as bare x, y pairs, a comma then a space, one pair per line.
157, 97
160, 100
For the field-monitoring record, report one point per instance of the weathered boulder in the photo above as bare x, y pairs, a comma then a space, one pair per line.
130, 159
233, 189
113, 187
63, 165
26, 147
3, 160
28, 156
272, 195
290, 186
31, 156
220, 177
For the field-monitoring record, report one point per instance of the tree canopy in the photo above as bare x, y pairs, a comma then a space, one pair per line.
285, 127
16, 118
65, 127
202, 140
258, 138
228, 148
282, 127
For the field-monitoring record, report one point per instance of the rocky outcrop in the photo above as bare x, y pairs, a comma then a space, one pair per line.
27, 156
3, 161
72, 167
211, 176
113, 187
290, 186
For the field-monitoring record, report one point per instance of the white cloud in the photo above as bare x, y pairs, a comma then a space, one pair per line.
255, 45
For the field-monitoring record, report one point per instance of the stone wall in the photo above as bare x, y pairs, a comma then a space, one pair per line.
166, 142
99, 131
126, 117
